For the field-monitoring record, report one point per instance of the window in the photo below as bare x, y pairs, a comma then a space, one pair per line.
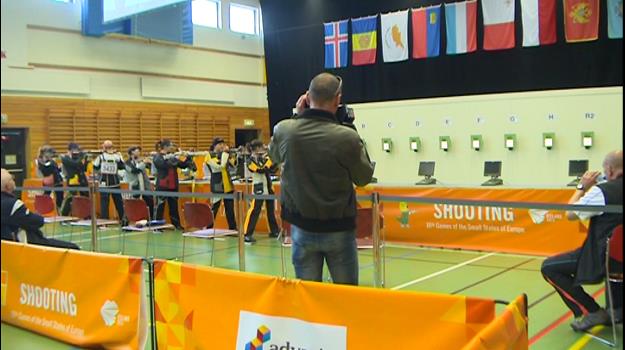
244, 19
67, 1
206, 13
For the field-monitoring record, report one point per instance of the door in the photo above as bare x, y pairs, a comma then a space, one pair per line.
14, 153
243, 137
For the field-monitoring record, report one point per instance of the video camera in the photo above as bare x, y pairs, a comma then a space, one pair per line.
345, 115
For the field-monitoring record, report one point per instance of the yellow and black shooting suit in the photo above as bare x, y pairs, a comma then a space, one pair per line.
221, 182
261, 167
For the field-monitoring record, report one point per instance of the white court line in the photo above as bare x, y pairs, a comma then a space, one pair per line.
111, 237
442, 271
452, 250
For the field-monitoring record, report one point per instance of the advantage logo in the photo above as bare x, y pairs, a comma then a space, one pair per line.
264, 332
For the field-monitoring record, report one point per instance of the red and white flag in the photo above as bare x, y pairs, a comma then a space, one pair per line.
539, 22
498, 24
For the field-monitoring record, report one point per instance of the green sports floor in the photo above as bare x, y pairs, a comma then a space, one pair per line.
471, 273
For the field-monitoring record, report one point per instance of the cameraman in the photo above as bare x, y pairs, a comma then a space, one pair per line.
74, 167
323, 157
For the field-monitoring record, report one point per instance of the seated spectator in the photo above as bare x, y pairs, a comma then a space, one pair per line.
16, 217
567, 272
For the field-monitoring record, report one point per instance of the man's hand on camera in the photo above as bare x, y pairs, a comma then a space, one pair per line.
302, 103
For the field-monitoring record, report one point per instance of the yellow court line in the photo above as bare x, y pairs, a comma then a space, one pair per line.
581, 343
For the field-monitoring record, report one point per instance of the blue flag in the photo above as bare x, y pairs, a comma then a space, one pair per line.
615, 19
336, 44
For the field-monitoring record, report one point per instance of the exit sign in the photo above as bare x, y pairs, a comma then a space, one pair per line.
248, 122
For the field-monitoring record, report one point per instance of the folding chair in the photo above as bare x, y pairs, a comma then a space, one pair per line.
613, 273
136, 210
45, 206
200, 216
80, 209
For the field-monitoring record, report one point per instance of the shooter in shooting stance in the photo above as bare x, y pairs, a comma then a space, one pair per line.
219, 162
261, 167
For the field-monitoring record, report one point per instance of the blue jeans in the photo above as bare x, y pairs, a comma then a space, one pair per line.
337, 248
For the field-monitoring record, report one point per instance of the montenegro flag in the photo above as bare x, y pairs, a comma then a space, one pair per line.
364, 40
581, 20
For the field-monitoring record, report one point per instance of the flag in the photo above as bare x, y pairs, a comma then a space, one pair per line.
426, 32
615, 19
395, 36
364, 40
498, 24
581, 20
539, 22
336, 44
460, 21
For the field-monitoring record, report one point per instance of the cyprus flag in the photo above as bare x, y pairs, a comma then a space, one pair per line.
395, 36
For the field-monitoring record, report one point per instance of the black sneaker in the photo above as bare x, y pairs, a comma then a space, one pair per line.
274, 234
250, 239
599, 317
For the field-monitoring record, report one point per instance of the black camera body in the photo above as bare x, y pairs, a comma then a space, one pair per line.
345, 115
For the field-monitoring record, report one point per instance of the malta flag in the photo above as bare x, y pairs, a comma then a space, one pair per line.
581, 20
426, 32
460, 22
498, 24
539, 22
394, 36
335, 44
364, 40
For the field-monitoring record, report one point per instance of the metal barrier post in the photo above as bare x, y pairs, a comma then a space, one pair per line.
238, 201
151, 300
94, 227
377, 262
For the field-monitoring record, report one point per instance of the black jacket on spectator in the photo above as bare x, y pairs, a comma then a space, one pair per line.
15, 217
591, 263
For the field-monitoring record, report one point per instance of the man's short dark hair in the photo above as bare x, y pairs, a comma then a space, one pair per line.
324, 87
255, 144
133, 148
73, 146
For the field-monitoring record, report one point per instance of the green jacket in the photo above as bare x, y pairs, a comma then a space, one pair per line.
322, 160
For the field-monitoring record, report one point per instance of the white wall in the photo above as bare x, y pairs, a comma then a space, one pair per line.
48, 62
529, 165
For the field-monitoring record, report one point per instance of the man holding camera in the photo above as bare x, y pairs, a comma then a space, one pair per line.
323, 157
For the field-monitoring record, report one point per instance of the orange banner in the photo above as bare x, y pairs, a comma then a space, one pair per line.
507, 331
207, 308
537, 232
85, 299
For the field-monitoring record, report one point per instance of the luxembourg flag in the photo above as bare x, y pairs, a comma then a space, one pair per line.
460, 21
539, 22
498, 24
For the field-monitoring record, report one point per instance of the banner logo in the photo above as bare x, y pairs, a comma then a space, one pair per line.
109, 312
286, 333
263, 335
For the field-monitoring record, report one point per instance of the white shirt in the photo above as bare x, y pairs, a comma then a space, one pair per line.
594, 196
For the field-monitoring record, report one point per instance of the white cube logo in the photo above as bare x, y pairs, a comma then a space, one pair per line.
109, 312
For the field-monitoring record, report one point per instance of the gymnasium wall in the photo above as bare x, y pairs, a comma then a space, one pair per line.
47, 56
599, 110
57, 121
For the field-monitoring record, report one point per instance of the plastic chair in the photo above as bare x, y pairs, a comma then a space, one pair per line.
44, 206
613, 273
198, 216
136, 210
